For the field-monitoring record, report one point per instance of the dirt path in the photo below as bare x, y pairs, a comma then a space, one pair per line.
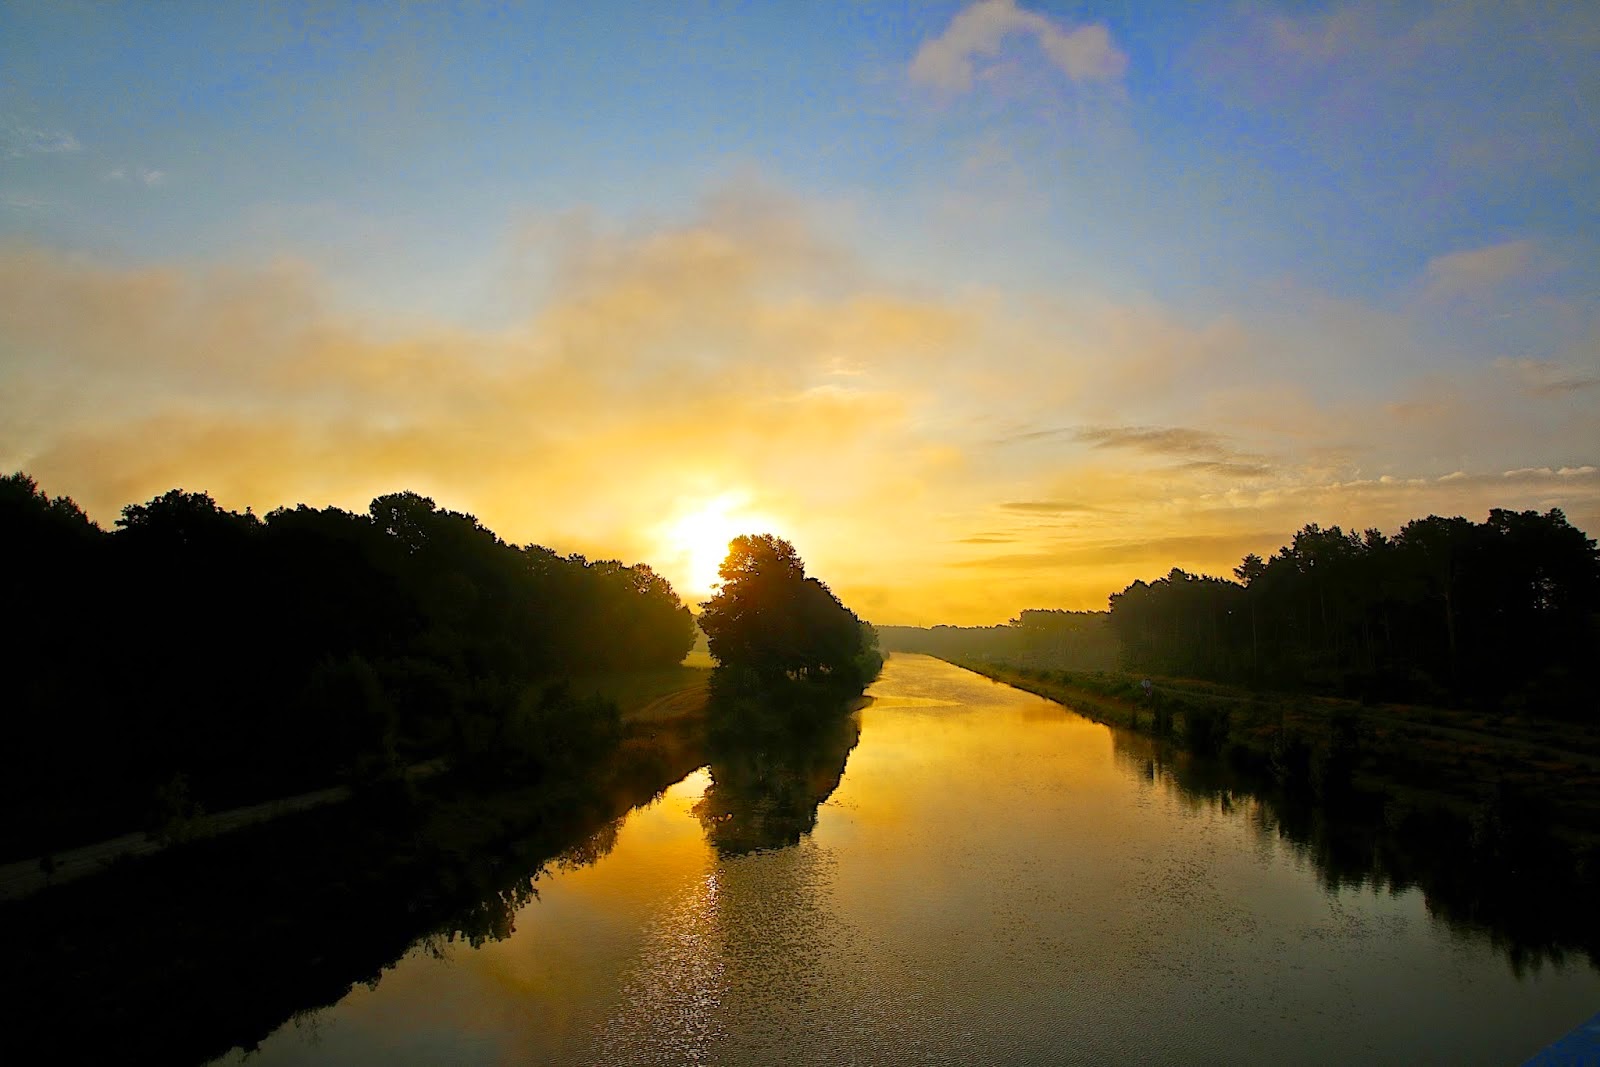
24, 877
679, 704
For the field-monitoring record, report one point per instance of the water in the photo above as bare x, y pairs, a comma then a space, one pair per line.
989, 879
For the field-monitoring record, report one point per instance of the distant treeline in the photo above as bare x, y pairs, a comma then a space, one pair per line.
201, 656
1497, 615
1061, 640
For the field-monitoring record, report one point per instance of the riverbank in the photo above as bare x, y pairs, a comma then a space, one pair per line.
1038, 885
647, 696
331, 897
646, 700
1507, 775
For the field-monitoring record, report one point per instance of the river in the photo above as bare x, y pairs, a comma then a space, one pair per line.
961, 873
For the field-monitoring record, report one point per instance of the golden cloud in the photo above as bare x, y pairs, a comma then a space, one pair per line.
900, 438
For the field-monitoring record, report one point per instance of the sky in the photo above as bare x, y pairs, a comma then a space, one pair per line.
984, 306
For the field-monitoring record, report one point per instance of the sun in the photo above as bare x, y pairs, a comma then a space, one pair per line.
697, 540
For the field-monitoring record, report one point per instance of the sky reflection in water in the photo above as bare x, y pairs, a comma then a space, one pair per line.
992, 880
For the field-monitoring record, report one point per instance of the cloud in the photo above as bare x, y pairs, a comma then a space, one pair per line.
1474, 271
665, 365
1047, 507
1229, 469
1211, 452
1546, 378
661, 365
1083, 54
1435, 95
1545, 472
1183, 550
1325, 38
144, 176
23, 202
1210, 532
1162, 440
1034, 435
18, 140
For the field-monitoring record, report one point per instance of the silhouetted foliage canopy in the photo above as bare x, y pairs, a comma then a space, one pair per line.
1499, 614
251, 657
770, 620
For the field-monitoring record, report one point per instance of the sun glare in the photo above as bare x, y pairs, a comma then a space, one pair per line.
698, 539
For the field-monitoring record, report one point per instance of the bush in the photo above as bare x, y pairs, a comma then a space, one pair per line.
1205, 728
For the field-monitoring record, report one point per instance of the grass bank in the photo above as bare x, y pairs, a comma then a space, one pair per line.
1506, 775
638, 694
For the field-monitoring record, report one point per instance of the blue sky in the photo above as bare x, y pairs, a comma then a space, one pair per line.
1352, 241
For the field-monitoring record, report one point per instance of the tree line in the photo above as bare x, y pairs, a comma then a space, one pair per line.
1500, 615
1059, 640
200, 656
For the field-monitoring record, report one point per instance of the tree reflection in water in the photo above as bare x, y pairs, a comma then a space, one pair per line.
774, 758
492, 916
334, 897
1490, 871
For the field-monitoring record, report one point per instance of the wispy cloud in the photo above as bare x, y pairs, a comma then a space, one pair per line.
23, 202
1474, 271
1183, 550
1324, 38
1210, 451
1035, 435
1545, 472
1545, 378
1161, 440
1047, 507
678, 361
145, 176
18, 140
1476, 89
687, 359
1229, 469
1082, 53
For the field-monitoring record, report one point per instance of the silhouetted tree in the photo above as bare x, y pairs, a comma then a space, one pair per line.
771, 620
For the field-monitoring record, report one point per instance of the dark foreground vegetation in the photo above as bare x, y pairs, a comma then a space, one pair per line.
178, 957
198, 659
